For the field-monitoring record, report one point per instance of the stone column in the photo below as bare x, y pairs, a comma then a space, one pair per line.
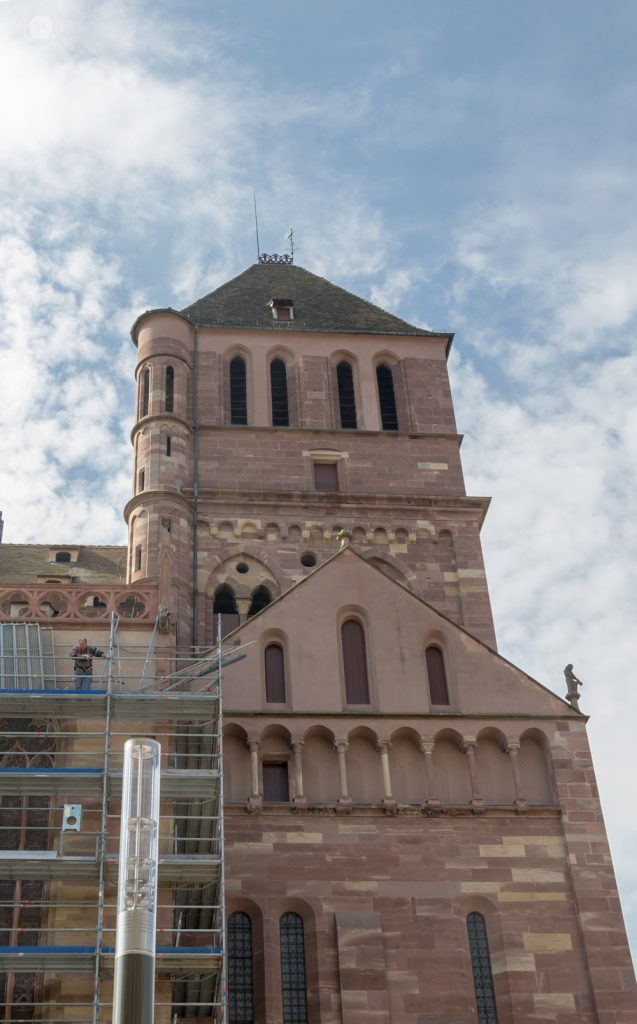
243, 607
469, 748
255, 801
513, 749
383, 748
426, 747
341, 746
297, 749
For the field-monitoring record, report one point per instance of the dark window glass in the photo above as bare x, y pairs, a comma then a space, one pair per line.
279, 391
325, 476
275, 783
274, 674
240, 987
283, 313
141, 479
355, 663
138, 558
346, 399
386, 397
293, 983
170, 388
260, 599
63, 556
145, 392
225, 607
438, 690
168, 446
481, 966
238, 392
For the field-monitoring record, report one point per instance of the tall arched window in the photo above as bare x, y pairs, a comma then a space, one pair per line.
346, 398
145, 392
260, 599
170, 389
354, 663
238, 392
274, 674
279, 393
481, 967
386, 397
240, 984
293, 980
438, 689
224, 605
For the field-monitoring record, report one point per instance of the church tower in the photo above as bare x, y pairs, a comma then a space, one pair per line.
277, 414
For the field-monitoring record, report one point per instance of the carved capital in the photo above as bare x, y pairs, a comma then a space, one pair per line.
341, 746
297, 746
253, 746
383, 746
512, 747
426, 747
469, 746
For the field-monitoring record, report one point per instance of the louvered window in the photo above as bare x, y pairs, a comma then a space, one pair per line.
170, 388
294, 985
274, 674
145, 392
240, 984
279, 392
354, 663
386, 397
438, 690
346, 399
238, 392
481, 967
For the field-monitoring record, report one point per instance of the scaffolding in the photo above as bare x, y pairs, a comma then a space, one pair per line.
60, 789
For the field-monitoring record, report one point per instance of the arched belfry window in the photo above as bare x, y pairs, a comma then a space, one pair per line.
481, 967
279, 393
170, 389
260, 598
224, 605
346, 397
240, 983
354, 663
386, 397
274, 674
438, 689
293, 979
145, 392
238, 392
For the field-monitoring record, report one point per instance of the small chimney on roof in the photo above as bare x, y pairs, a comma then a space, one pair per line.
1, 527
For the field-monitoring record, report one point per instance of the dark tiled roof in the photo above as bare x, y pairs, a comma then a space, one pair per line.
318, 304
29, 562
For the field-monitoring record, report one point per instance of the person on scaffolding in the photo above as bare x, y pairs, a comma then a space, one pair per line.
83, 656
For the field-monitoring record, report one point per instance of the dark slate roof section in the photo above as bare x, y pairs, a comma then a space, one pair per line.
318, 305
29, 562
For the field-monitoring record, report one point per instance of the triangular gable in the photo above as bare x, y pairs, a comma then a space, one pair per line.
399, 624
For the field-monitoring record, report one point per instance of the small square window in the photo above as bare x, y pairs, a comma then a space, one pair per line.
275, 783
326, 476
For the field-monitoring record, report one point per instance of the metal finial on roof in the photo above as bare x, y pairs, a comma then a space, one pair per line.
275, 258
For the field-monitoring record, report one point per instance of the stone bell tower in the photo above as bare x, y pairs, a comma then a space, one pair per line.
272, 415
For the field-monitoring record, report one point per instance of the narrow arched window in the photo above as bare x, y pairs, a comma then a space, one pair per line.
274, 674
386, 397
240, 984
438, 690
260, 599
481, 967
354, 663
346, 398
279, 393
170, 389
238, 392
145, 392
224, 605
293, 980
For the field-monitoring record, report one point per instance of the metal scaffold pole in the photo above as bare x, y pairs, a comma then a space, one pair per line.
222, 852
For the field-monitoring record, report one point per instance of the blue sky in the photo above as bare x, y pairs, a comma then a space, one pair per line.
469, 166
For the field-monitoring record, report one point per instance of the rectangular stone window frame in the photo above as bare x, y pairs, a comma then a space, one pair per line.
316, 459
